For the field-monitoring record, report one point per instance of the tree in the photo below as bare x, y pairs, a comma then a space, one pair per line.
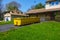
0, 9
38, 6
13, 6
0, 6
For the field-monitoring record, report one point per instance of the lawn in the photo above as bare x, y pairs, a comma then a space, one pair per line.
40, 31
3, 22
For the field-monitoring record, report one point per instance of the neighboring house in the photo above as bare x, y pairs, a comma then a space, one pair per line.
52, 8
10, 15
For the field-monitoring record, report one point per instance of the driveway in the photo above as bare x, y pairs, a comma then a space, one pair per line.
6, 27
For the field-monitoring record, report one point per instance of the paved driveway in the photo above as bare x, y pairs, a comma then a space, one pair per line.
6, 27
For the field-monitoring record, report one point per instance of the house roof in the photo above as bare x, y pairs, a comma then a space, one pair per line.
50, 0
17, 11
6, 11
14, 13
42, 10
19, 14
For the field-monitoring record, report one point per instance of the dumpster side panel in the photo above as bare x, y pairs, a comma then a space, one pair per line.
17, 22
23, 21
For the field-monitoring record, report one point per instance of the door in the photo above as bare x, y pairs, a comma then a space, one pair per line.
52, 16
42, 19
7, 19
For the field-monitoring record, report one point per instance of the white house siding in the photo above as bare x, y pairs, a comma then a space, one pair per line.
7, 17
49, 6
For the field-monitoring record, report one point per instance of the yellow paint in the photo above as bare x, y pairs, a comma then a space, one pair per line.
23, 21
17, 21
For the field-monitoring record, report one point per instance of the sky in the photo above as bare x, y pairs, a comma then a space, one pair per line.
25, 4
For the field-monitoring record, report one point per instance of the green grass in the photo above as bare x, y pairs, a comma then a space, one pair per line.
3, 22
40, 31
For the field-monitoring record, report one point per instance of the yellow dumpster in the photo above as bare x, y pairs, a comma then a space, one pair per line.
23, 21
17, 21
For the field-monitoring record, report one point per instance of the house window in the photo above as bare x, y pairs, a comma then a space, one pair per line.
57, 3
52, 3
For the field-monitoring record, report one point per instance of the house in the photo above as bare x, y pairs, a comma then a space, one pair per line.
10, 15
51, 10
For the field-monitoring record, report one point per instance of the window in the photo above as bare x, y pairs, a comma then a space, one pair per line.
52, 3
57, 3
